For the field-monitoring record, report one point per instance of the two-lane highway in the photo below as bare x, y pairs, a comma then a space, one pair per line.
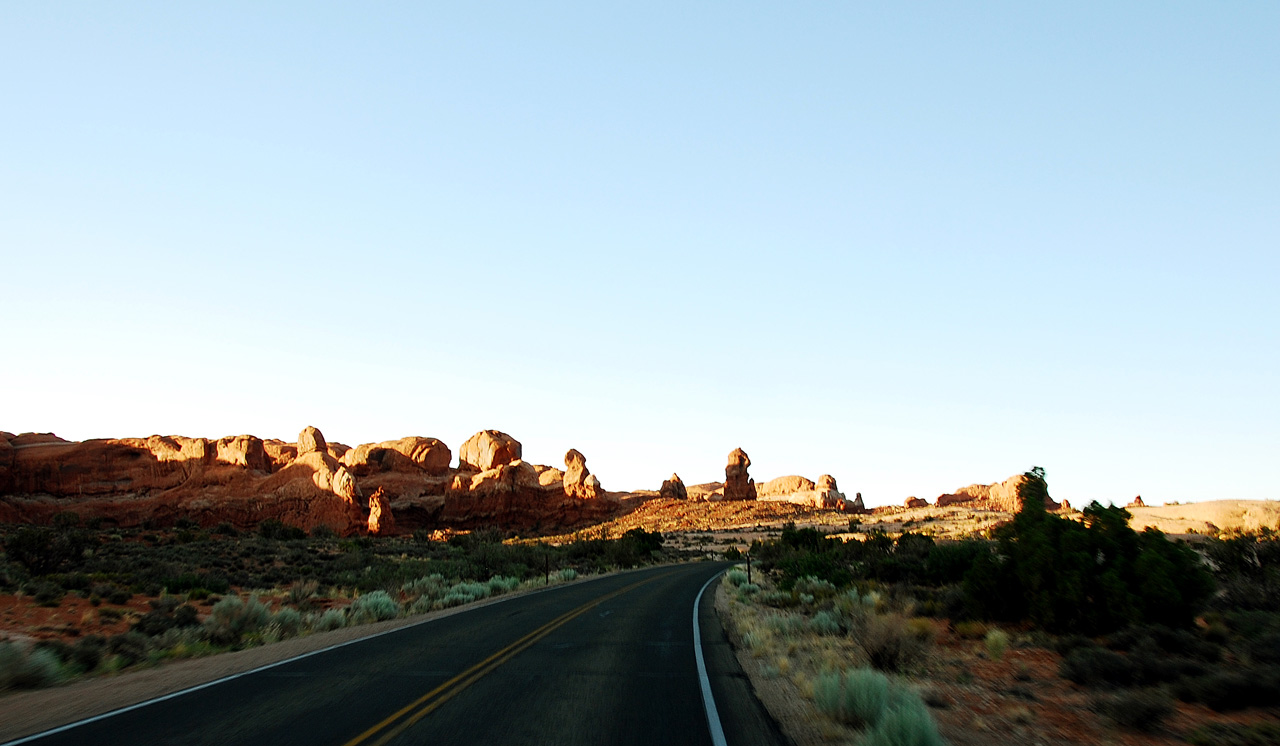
610, 661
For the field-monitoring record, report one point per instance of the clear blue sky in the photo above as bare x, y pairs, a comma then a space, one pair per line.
912, 245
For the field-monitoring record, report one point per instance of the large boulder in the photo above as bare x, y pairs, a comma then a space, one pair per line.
673, 489
916, 502
738, 485
784, 486
310, 440
1002, 496
242, 450
488, 449
578, 481
409, 455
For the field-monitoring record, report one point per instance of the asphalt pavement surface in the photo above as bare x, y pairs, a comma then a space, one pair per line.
610, 661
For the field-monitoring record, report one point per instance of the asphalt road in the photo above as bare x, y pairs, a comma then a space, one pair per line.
609, 661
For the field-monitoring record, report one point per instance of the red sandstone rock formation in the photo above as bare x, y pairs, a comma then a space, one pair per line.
856, 505
916, 502
409, 455
488, 449
245, 480
578, 481
673, 489
999, 496
381, 521
783, 486
1137, 503
738, 485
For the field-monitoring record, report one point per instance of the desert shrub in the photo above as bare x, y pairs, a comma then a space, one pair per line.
1096, 667
905, 723
1136, 709
274, 529
42, 550
87, 653
373, 607
996, 641
46, 593
1097, 575
857, 697
736, 577
567, 574
430, 586
231, 619
287, 621
499, 585
129, 647
26, 667
1235, 734
888, 643
777, 599
451, 599
747, 589
826, 623
120, 596
971, 630
814, 588
330, 620
1225, 691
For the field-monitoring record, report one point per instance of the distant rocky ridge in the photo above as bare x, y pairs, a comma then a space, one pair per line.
245, 480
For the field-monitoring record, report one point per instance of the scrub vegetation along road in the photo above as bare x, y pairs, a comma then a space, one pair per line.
606, 661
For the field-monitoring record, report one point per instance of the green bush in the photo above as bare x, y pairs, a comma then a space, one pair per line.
857, 697
1136, 709
287, 621
997, 641
499, 585
1235, 734
889, 644
814, 587
1096, 667
25, 667
87, 653
377, 606
826, 623
567, 574
129, 647
736, 577
231, 619
1225, 691
330, 620
905, 723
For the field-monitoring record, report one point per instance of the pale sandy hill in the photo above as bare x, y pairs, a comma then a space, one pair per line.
1224, 515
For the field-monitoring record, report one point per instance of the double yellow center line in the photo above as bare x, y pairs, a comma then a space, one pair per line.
401, 720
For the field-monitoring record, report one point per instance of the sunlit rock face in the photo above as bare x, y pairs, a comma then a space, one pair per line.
783, 486
673, 489
999, 496
578, 481
738, 485
406, 455
381, 521
488, 449
244, 480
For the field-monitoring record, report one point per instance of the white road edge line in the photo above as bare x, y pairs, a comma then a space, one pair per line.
224, 679
708, 701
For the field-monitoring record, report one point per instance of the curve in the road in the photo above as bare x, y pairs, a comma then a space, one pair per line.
612, 660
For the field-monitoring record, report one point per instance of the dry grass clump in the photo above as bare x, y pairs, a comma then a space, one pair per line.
842, 653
